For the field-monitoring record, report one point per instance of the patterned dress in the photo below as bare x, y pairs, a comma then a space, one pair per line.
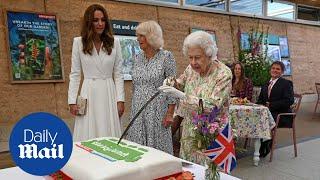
214, 89
147, 76
247, 90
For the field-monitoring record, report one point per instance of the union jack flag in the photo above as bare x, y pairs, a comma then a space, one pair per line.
222, 150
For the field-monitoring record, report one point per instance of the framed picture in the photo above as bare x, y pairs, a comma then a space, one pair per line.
284, 48
129, 48
274, 53
212, 33
34, 47
244, 41
287, 65
273, 39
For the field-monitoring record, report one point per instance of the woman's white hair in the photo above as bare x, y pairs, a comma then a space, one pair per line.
202, 40
153, 33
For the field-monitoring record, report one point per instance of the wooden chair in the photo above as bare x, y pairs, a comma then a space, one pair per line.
318, 101
295, 108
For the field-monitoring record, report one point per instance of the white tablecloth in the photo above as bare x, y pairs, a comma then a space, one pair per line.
15, 173
199, 172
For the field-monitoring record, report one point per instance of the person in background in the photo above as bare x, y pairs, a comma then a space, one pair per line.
98, 55
205, 78
151, 67
278, 96
241, 86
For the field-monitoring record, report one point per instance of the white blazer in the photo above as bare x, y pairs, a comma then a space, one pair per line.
95, 66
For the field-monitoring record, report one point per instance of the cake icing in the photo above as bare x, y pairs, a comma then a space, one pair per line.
102, 158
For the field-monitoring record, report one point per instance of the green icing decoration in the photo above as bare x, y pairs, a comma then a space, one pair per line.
116, 140
110, 148
122, 143
144, 150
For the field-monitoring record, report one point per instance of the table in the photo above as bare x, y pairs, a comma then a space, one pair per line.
16, 173
252, 121
199, 172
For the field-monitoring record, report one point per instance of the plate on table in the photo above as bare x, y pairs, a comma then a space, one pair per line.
239, 101
250, 104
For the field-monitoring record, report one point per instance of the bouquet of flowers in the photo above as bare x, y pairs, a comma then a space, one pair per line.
254, 56
256, 68
206, 129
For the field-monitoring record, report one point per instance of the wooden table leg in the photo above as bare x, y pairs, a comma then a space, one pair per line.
256, 154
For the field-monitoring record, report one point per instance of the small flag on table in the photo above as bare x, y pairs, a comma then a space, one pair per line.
222, 150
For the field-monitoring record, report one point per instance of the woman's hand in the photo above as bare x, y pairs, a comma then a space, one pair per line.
73, 108
167, 120
172, 91
170, 81
120, 106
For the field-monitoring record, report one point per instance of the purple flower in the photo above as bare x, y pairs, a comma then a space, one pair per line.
213, 114
195, 120
205, 130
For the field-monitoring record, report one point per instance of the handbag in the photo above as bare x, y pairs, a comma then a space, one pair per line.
82, 105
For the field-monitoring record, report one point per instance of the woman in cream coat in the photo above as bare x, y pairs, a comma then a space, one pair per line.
98, 55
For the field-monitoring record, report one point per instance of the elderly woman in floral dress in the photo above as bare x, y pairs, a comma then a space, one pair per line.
205, 78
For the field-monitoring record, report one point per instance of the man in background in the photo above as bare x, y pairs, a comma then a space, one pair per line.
277, 95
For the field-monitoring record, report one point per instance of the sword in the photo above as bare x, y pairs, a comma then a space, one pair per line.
136, 116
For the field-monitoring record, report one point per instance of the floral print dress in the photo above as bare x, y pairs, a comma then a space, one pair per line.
246, 91
147, 76
214, 89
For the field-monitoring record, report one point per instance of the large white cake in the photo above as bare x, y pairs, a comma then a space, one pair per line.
102, 158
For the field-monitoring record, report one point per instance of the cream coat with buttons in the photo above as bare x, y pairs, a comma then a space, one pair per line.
103, 88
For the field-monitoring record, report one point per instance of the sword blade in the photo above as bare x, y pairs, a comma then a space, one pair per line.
137, 115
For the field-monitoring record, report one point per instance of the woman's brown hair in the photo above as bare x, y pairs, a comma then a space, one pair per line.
240, 85
87, 31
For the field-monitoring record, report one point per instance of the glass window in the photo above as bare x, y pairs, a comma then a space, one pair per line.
281, 10
247, 6
308, 13
216, 4
171, 1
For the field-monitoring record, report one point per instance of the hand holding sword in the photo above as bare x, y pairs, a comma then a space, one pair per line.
167, 88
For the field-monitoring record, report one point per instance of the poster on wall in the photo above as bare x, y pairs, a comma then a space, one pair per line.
274, 53
244, 41
129, 48
34, 47
287, 66
125, 31
284, 48
273, 39
212, 33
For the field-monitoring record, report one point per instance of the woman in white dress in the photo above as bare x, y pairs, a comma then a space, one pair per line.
98, 55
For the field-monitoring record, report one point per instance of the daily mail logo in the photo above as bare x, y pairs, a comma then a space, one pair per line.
32, 151
40, 144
